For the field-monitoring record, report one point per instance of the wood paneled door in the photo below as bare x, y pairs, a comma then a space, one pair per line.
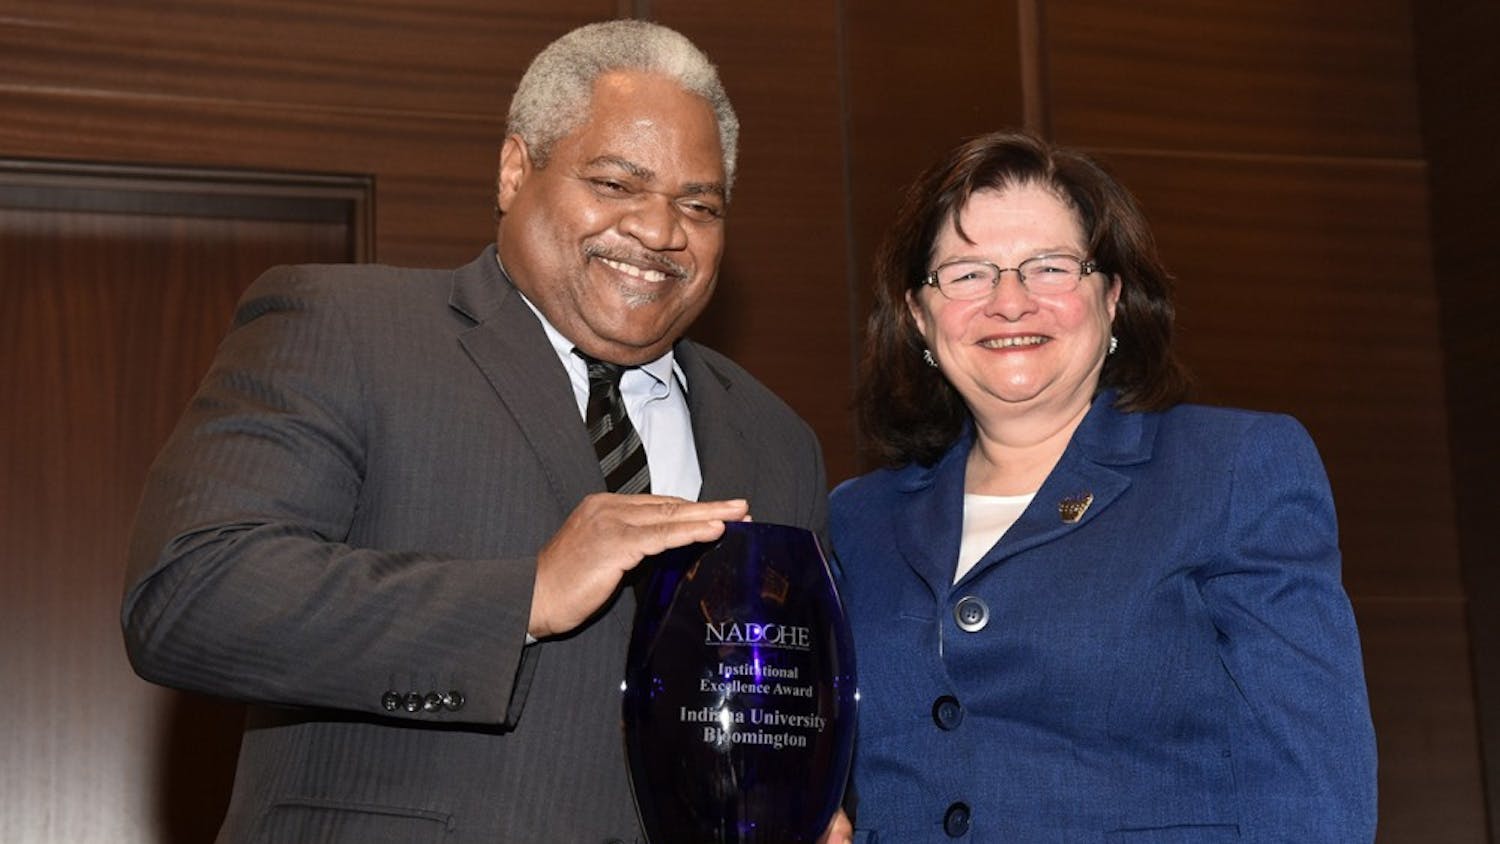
118, 283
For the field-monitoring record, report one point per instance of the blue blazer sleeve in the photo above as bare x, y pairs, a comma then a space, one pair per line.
1305, 757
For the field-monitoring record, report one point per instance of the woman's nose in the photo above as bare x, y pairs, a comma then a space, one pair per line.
1009, 298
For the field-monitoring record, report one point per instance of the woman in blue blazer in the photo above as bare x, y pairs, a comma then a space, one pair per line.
1084, 611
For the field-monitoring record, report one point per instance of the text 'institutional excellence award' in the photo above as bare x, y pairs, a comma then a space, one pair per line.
739, 698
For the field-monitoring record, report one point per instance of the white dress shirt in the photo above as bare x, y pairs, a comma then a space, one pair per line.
986, 519
655, 395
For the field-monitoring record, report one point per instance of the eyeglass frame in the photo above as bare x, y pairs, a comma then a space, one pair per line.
1086, 267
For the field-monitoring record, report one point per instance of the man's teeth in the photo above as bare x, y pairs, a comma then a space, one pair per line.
633, 270
1012, 342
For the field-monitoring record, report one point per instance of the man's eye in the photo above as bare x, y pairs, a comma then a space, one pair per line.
609, 186
701, 211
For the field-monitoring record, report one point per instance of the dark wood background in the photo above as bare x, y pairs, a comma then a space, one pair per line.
1320, 174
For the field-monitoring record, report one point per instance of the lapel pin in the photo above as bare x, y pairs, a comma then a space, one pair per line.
1073, 507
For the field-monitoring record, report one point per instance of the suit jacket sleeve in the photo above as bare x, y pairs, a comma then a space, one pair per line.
1306, 756
241, 580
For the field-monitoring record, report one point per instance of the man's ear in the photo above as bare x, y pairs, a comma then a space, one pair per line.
515, 166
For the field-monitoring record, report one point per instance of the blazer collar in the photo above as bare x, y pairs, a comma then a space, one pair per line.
510, 347
718, 425
1106, 440
480, 287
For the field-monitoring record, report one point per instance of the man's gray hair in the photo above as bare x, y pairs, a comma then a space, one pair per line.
554, 95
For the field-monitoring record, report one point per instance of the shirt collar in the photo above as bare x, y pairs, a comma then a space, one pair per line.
662, 369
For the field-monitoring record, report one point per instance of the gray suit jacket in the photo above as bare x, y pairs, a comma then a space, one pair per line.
345, 522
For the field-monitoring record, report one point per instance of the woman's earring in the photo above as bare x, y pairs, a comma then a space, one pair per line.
927, 356
1114, 344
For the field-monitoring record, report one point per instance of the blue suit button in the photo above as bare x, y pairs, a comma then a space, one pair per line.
390, 701
433, 702
413, 702
947, 713
956, 820
454, 700
971, 613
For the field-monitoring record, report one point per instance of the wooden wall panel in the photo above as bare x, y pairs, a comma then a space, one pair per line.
917, 84
434, 176
414, 96
1286, 77
1459, 69
108, 323
375, 57
1417, 665
781, 305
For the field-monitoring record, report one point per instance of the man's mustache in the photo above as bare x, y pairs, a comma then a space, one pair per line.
640, 258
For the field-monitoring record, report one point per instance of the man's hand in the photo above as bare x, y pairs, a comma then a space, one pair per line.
840, 830
604, 537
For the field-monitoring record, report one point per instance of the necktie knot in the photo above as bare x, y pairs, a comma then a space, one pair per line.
601, 371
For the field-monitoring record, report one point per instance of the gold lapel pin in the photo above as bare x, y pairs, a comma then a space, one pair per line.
1072, 508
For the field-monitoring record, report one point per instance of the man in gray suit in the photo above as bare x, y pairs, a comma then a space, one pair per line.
382, 521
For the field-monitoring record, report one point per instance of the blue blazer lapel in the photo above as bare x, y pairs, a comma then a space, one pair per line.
508, 345
1104, 440
1072, 482
928, 534
928, 537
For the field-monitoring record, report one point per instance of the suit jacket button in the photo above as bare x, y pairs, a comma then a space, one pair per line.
946, 712
390, 701
413, 702
454, 700
972, 614
956, 820
433, 702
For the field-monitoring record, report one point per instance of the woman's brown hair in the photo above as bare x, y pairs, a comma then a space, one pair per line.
908, 411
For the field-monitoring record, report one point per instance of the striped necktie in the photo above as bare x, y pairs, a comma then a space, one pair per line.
622, 457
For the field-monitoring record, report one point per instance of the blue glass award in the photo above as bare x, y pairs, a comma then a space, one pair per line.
739, 695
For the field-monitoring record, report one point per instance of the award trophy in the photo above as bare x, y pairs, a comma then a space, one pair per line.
739, 693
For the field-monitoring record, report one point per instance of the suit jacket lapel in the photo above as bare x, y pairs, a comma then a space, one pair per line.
508, 345
723, 456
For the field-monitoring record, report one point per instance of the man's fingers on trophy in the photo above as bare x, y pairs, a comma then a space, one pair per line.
665, 535
732, 509
654, 511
